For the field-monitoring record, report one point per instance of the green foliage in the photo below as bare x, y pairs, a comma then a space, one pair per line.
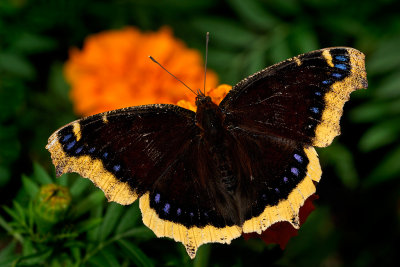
360, 185
95, 240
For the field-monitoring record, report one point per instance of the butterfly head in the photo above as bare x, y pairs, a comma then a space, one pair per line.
203, 100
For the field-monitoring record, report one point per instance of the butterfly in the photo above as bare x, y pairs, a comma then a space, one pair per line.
227, 169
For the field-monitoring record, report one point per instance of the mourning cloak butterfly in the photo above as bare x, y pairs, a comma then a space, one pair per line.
235, 168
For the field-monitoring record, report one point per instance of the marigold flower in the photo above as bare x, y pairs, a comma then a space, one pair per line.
113, 70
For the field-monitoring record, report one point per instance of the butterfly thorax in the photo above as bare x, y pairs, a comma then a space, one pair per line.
210, 120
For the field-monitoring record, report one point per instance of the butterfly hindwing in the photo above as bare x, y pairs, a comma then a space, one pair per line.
301, 98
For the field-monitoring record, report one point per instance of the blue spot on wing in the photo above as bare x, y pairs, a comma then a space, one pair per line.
92, 150
341, 66
178, 211
336, 75
67, 137
78, 150
315, 110
70, 145
116, 168
341, 58
157, 198
295, 171
166, 208
318, 93
298, 158
326, 82
105, 155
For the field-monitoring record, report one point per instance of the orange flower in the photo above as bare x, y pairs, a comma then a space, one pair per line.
113, 70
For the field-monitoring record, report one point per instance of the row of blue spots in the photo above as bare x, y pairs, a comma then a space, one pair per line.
340, 66
167, 207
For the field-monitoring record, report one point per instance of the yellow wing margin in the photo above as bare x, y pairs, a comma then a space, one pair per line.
88, 167
338, 94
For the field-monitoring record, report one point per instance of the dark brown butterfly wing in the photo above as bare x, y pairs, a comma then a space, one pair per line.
301, 98
275, 117
153, 153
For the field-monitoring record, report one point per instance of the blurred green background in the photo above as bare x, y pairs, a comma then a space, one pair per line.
356, 222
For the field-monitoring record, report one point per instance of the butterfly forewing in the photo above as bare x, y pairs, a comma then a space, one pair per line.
128, 148
301, 98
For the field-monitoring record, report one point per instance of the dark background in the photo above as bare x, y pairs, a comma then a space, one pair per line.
356, 222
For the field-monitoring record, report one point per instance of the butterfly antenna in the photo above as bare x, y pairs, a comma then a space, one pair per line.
205, 63
155, 61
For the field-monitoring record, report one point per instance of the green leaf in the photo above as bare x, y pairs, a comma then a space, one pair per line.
7, 254
227, 32
129, 218
40, 175
28, 248
111, 218
368, 112
256, 60
141, 232
254, 13
380, 134
30, 187
389, 86
57, 82
134, 253
386, 57
11, 212
79, 186
387, 169
16, 65
36, 258
304, 38
94, 199
202, 256
87, 225
28, 42
21, 212
76, 254
109, 258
